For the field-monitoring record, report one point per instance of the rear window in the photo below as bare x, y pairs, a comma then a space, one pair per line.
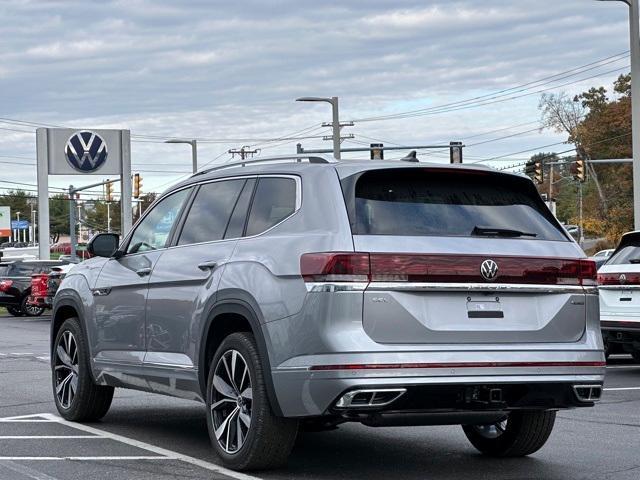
627, 255
412, 202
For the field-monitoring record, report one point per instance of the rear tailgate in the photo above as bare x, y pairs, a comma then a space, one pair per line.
619, 284
465, 257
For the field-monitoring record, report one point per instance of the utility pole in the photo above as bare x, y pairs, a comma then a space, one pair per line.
244, 152
634, 41
108, 217
581, 235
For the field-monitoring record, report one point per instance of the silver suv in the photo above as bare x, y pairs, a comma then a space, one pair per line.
302, 291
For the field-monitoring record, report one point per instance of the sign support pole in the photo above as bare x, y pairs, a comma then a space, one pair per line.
125, 184
42, 139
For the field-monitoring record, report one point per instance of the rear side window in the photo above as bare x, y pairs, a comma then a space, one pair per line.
418, 202
274, 200
209, 215
627, 255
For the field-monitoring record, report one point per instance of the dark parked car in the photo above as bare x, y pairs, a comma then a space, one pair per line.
15, 284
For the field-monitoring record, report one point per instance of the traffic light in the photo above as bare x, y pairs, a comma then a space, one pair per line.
455, 152
530, 168
538, 174
137, 185
377, 152
580, 172
108, 190
534, 169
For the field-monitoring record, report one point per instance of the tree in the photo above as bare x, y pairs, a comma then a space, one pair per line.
58, 216
600, 128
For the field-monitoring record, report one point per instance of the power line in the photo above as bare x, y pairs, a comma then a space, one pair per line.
496, 97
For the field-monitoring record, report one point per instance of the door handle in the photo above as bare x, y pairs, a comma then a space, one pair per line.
204, 266
143, 271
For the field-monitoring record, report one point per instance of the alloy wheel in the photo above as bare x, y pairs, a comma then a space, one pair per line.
231, 401
32, 310
66, 369
493, 430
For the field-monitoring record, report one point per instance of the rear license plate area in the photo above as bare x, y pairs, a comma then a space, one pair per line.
484, 308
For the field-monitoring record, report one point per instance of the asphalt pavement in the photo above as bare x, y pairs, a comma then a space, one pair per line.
147, 436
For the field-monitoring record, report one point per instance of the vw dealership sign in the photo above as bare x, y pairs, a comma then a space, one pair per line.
86, 151
81, 152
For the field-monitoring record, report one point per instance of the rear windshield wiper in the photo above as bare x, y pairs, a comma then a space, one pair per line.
500, 232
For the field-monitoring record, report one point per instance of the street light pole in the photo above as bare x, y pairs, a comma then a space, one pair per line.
194, 150
335, 117
634, 39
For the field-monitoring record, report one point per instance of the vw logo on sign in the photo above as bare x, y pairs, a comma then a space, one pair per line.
86, 151
489, 269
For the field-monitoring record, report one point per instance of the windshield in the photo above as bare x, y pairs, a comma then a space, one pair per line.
4, 270
423, 202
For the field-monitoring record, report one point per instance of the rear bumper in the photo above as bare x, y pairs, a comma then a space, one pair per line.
535, 379
9, 300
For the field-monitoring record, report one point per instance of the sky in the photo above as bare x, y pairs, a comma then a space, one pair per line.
227, 74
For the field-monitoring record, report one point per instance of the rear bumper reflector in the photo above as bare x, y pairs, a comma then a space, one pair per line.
390, 366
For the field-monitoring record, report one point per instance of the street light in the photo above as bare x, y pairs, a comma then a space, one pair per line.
634, 38
336, 119
194, 150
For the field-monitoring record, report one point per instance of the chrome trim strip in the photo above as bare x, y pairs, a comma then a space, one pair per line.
477, 287
336, 286
619, 287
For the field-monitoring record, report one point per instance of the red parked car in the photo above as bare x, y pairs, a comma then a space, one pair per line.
45, 285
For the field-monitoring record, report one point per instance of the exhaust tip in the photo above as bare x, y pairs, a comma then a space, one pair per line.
588, 393
370, 398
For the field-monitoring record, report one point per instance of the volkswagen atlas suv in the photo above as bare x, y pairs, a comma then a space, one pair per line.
619, 280
302, 290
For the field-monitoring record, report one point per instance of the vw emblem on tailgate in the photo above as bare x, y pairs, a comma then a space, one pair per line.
489, 269
622, 279
86, 151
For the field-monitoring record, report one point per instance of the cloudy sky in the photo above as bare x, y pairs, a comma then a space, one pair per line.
227, 73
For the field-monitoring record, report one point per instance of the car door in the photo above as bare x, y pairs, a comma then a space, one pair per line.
120, 291
184, 281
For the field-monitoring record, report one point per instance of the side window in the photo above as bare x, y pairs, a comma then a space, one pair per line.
209, 215
239, 215
274, 200
153, 231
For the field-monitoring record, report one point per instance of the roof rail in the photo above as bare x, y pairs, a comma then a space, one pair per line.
295, 158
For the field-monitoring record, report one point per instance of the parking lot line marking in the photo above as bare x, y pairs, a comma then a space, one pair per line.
44, 437
118, 457
22, 417
152, 448
620, 389
3, 420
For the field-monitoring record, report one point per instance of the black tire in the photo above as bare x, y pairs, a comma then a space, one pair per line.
607, 348
90, 402
30, 310
15, 311
269, 439
524, 433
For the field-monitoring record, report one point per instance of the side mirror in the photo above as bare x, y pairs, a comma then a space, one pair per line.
103, 244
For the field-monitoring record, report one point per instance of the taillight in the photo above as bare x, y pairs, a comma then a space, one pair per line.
5, 285
392, 267
335, 267
39, 283
618, 279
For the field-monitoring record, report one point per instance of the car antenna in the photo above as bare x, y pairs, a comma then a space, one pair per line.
411, 157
